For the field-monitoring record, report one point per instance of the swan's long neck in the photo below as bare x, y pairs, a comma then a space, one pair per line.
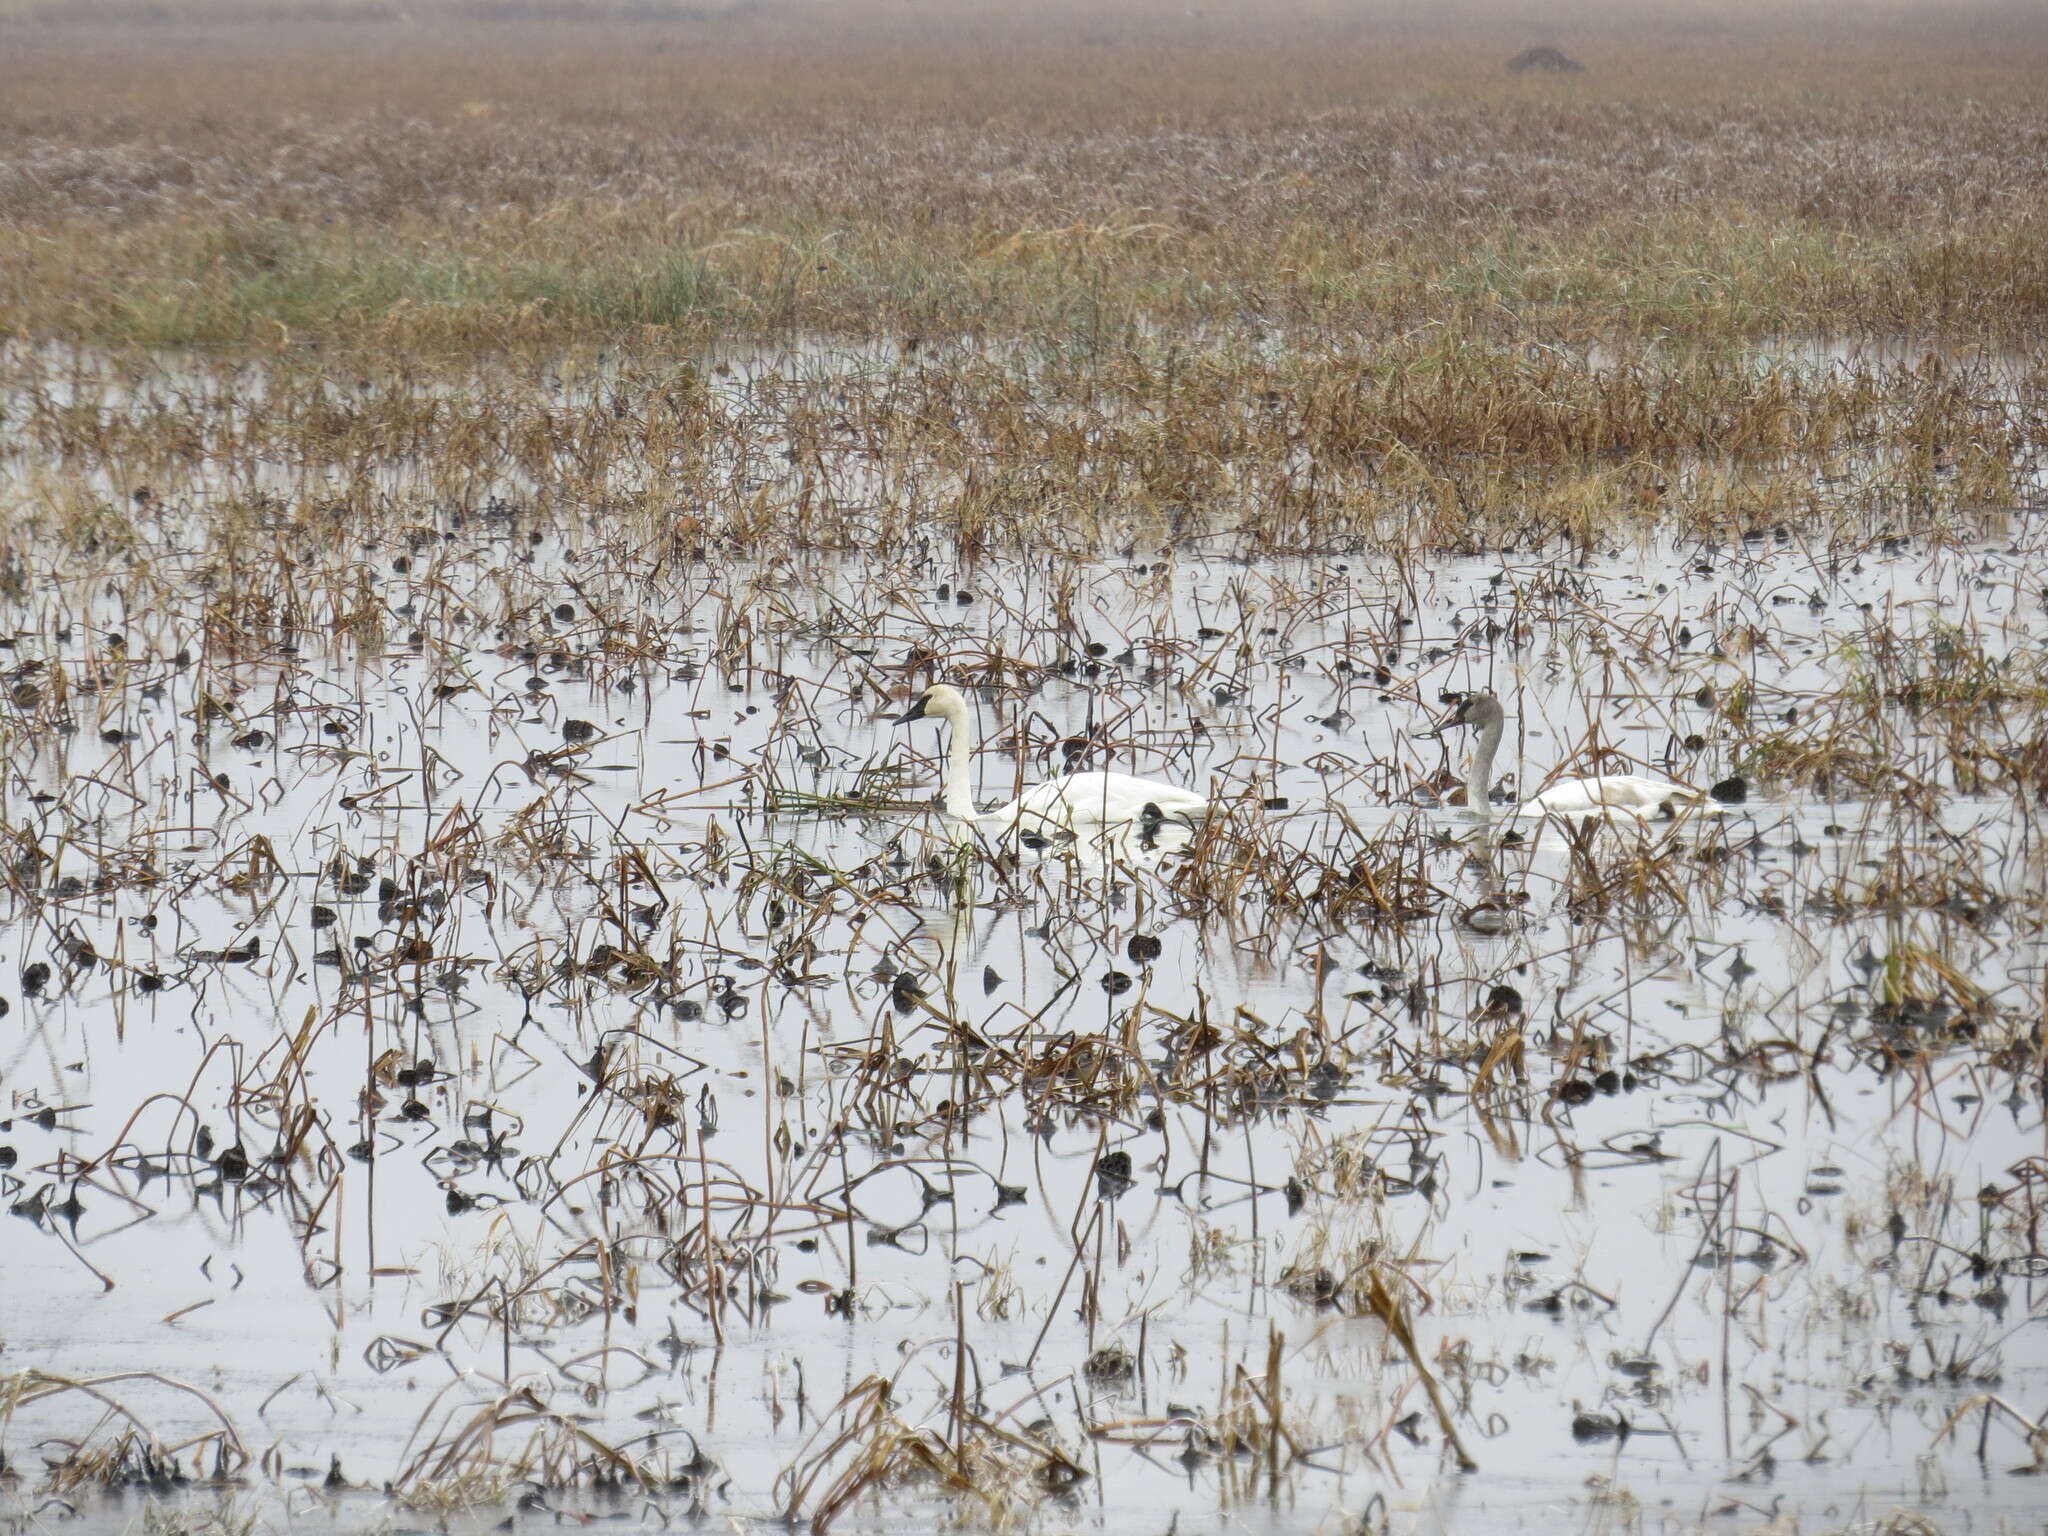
959, 759
1479, 777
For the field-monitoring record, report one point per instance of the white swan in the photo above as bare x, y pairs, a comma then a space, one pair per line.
1626, 793
1071, 800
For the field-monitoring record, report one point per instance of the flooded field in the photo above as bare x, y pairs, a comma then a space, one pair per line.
497, 1026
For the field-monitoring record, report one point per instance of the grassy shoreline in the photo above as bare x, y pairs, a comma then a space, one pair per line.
561, 277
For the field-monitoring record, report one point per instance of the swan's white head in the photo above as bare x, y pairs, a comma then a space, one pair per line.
941, 701
1479, 710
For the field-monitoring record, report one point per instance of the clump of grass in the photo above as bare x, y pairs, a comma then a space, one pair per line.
122, 1449
1001, 1471
482, 1452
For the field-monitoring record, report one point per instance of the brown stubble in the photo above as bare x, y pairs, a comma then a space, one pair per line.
881, 168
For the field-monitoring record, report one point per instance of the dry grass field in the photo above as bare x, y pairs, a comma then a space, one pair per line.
441, 181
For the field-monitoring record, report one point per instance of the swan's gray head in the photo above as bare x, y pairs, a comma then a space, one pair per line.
1479, 710
941, 701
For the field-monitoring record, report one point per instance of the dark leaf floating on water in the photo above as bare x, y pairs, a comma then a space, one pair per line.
1113, 1175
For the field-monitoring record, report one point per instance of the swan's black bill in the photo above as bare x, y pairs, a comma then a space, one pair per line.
915, 712
1462, 715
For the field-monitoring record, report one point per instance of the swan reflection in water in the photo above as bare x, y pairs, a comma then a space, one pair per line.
944, 938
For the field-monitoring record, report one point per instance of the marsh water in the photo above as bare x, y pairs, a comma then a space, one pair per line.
469, 1067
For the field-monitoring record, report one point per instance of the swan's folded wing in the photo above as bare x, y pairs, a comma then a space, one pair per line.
1611, 793
1105, 799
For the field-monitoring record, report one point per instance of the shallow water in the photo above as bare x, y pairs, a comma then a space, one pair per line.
1726, 1130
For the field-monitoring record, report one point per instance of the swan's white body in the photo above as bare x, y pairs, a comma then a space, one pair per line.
1610, 792
1069, 801
1625, 794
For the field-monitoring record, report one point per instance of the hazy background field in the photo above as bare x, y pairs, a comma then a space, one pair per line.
438, 175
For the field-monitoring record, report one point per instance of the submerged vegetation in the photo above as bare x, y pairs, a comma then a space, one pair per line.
493, 1024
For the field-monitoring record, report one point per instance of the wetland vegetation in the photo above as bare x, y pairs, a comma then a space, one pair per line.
494, 1025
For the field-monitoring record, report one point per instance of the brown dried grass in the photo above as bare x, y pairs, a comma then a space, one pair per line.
879, 170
